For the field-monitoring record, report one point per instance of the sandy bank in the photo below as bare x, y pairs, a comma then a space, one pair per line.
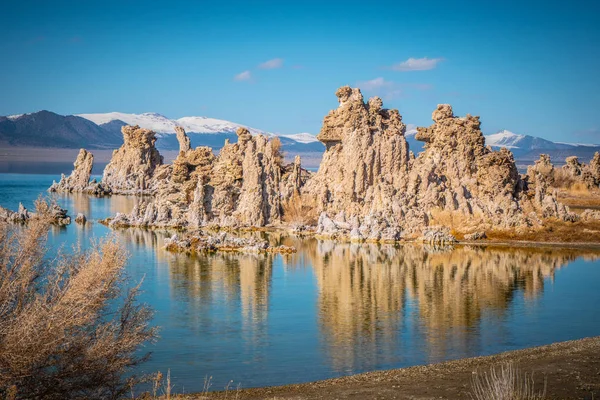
572, 371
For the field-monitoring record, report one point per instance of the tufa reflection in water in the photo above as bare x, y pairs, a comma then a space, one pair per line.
372, 300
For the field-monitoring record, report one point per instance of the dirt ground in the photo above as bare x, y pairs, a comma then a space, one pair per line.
571, 371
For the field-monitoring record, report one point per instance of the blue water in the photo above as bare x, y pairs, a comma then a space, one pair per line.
335, 309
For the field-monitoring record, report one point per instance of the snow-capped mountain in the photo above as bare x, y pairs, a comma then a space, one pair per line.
519, 144
203, 125
525, 148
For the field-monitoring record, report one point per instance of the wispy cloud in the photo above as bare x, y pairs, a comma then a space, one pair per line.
417, 64
243, 76
381, 87
272, 64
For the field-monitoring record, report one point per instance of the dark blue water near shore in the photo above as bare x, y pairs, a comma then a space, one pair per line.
335, 309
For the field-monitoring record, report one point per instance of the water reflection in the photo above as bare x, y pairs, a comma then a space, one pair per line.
374, 300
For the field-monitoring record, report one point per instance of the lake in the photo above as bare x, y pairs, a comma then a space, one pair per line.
335, 309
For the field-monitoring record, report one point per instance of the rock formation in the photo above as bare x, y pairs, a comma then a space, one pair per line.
572, 172
135, 166
79, 180
240, 187
369, 188
201, 242
369, 185
56, 214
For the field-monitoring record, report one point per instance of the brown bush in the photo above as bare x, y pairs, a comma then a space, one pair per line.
562, 179
300, 210
68, 329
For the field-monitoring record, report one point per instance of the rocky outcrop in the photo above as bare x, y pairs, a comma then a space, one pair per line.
79, 180
81, 219
572, 172
202, 242
369, 186
241, 186
53, 212
135, 168
183, 139
367, 175
572, 166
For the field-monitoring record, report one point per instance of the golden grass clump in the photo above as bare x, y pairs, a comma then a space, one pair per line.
300, 210
68, 328
458, 223
505, 383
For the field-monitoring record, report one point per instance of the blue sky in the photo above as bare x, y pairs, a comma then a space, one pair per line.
528, 66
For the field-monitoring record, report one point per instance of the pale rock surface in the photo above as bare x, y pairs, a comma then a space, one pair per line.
239, 187
135, 167
368, 187
364, 167
57, 215
79, 180
199, 242
80, 219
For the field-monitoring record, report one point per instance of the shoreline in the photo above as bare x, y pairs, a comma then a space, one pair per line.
571, 370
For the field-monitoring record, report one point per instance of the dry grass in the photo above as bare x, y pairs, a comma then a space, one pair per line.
300, 210
277, 151
68, 329
553, 230
458, 223
505, 383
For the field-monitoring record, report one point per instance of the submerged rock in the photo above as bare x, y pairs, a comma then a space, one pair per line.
438, 236
80, 219
476, 236
200, 241
56, 214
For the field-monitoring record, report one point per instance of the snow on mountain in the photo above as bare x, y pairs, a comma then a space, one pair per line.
158, 123
504, 139
211, 125
203, 125
302, 137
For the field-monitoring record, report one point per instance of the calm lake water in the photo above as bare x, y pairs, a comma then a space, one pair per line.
335, 309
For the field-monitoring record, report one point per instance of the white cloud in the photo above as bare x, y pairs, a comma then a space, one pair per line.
272, 64
381, 87
243, 76
417, 64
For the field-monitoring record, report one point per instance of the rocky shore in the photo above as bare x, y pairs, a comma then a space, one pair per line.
568, 369
369, 186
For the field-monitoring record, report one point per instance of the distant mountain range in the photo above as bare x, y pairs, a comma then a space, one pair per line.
103, 131
48, 129
526, 148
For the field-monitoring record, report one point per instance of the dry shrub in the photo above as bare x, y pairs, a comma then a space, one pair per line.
579, 189
300, 210
505, 383
277, 152
456, 221
562, 179
68, 328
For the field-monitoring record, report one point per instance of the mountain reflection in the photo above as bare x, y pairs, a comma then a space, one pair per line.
375, 304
